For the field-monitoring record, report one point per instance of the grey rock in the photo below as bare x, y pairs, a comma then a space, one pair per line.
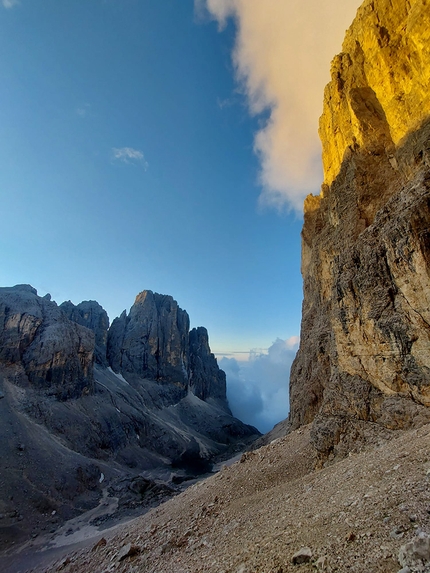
63, 563
303, 555
397, 533
416, 553
144, 419
100, 543
152, 341
206, 379
92, 315
128, 551
321, 563
56, 354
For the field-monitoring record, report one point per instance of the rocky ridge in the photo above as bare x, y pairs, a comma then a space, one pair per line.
365, 335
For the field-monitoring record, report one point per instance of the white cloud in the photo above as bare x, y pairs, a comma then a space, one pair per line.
10, 3
282, 60
129, 155
227, 102
258, 390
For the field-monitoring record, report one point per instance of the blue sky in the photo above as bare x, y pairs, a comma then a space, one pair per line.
141, 149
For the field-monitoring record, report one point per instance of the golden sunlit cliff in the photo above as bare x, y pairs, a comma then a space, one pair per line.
365, 339
379, 88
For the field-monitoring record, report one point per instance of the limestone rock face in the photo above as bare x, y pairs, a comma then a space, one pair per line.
92, 315
365, 339
152, 341
206, 379
35, 335
379, 88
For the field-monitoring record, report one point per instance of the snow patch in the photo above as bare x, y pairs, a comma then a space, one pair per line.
119, 376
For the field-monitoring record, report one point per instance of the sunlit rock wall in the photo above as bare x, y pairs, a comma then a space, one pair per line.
365, 340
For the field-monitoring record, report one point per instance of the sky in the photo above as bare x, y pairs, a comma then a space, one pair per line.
168, 145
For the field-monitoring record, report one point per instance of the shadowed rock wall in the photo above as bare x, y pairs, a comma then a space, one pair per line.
92, 315
152, 341
206, 379
159, 408
53, 352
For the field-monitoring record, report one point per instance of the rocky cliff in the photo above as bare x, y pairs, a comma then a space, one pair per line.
92, 315
207, 381
107, 411
365, 338
152, 341
48, 351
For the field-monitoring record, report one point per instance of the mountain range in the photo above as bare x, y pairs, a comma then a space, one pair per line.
85, 407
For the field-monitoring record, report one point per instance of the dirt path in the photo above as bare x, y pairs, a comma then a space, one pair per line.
75, 534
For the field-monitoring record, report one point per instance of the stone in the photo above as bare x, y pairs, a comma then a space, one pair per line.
63, 563
303, 555
416, 553
128, 550
397, 533
321, 563
365, 241
100, 543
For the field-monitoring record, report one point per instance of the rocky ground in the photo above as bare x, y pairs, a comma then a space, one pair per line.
272, 512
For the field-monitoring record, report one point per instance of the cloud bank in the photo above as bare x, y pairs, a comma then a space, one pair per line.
282, 57
129, 155
257, 390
